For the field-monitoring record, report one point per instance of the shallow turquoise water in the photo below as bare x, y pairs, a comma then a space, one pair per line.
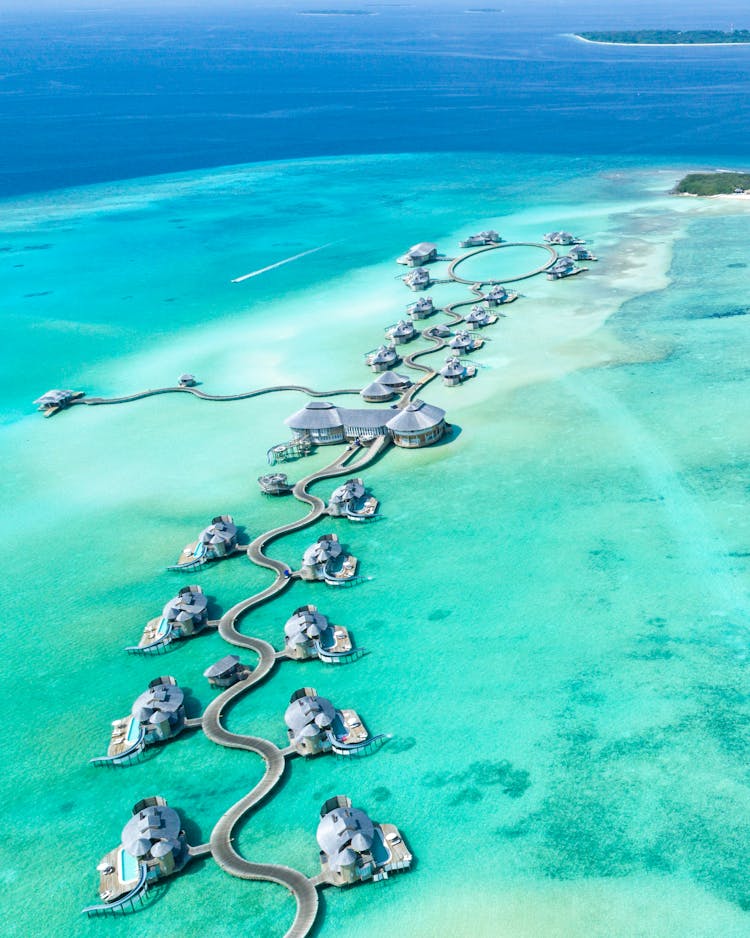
555, 602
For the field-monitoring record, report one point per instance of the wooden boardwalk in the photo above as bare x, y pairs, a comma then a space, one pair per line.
196, 392
221, 842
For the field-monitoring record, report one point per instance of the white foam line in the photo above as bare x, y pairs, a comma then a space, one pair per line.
287, 260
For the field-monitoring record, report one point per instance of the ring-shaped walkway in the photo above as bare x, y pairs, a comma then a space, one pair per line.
553, 255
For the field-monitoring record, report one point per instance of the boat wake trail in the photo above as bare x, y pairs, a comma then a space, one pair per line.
286, 260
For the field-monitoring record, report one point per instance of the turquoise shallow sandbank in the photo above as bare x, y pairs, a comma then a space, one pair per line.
554, 604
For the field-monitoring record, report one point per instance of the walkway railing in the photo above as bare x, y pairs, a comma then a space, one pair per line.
126, 903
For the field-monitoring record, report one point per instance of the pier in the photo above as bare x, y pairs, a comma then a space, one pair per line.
416, 423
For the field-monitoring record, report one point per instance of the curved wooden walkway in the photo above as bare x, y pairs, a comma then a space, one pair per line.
222, 849
196, 392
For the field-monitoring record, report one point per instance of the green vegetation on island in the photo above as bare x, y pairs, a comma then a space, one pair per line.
718, 183
664, 37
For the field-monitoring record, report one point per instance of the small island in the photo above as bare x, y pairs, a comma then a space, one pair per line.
668, 37
716, 183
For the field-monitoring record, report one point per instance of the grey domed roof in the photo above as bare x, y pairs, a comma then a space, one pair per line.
154, 823
416, 416
222, 666
185, 605
309, 711
324, 549
337, 829
392, 379
164, 698
315, 415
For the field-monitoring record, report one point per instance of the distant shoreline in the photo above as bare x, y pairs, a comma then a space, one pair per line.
655, 45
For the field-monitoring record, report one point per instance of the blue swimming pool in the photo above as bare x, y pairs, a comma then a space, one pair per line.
127, 867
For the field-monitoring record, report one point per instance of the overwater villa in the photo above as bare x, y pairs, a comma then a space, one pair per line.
464, 342
153, 847
385, 387
418, 279
563, 267
187, 380
182, 617
227, 671
480, 316
562, 237
423, 253
353, 848
157, 715
314, 726
215, 542
351, 500
326, 560
499, 296
400, 333
422, 308
481, 239
55, 400
382, 358
455, 371
275, 483
580, 253
440, 331
309, 634
322, 422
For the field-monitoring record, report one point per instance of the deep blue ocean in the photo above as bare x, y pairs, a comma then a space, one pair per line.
88, 95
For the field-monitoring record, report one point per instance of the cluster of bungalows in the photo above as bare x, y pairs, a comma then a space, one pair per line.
157, 715
182, 617
423, 253
309, 634
481, 239
315, 726
382, 358
417, 424
215, 542
152, 847
353, 848
352, 500
385, 387
55, 400
327, 561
